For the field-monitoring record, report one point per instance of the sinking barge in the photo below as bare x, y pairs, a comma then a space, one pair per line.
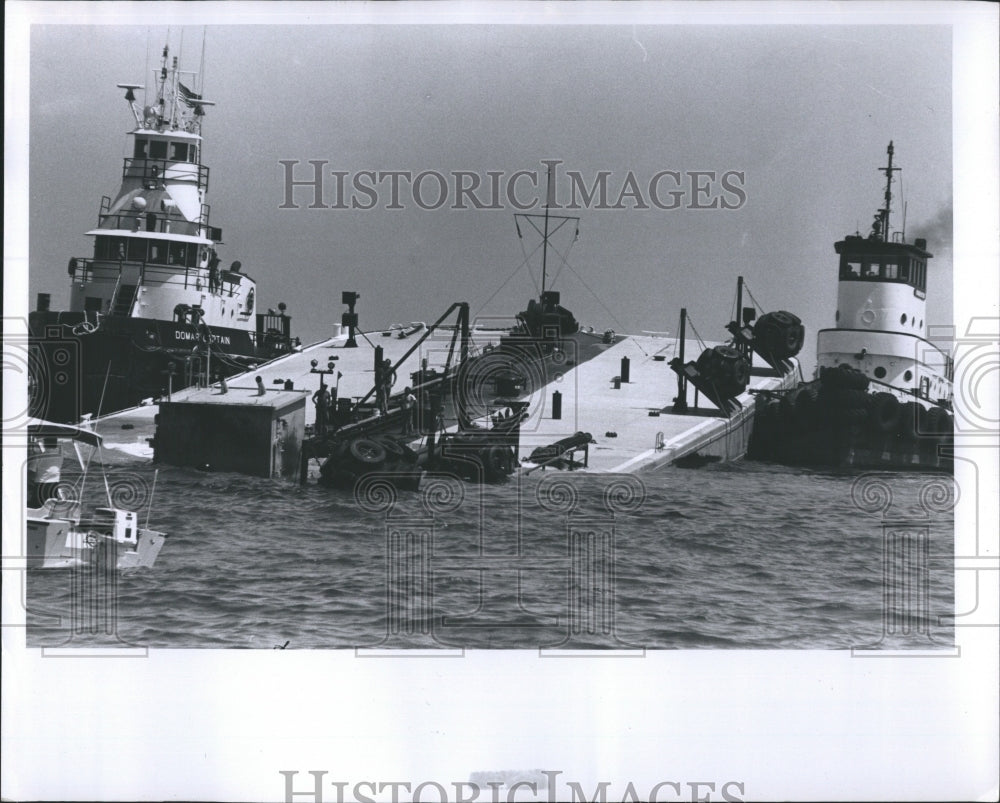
482, 403
540, 393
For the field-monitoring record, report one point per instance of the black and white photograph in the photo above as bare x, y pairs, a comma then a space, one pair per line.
501, 401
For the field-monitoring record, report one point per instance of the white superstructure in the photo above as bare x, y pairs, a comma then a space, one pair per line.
154, 248
881, 314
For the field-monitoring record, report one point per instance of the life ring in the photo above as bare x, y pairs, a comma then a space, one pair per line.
250, 300
868, 317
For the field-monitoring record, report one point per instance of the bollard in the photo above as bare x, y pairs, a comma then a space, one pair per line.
556, 405
625, 369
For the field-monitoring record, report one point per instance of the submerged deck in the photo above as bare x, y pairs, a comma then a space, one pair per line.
590, 401
628, 438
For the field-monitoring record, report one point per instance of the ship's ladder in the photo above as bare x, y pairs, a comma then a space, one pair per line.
126, 290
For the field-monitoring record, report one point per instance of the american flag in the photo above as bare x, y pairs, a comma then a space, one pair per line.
188, 98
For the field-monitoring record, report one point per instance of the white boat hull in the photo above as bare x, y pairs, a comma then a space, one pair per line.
59, 543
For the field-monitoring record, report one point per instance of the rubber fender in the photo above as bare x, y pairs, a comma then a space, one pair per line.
807, 410
909, 418
853, 399
937, 421
949, 425
883, 412
843, 377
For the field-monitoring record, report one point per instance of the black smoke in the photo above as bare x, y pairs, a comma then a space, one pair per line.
937, 231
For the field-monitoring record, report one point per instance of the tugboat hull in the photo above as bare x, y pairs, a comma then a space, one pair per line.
79, 369
834, 422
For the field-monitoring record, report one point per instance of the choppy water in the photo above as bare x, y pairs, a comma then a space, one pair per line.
728, 556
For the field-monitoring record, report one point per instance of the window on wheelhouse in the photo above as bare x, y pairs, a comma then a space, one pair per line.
157, 149
136, 250
141, 147
850, 269
109, 248
157, 253
182, 254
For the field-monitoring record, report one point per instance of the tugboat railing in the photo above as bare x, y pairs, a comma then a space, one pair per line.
86, 272
156, 170
157, 222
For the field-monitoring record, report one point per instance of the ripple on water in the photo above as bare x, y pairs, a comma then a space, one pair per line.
734, 556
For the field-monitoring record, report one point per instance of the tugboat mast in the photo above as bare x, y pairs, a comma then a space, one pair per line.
883, 214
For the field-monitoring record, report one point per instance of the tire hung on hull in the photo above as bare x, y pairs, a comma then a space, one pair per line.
883, 412
842, 377
800, 408
909, 420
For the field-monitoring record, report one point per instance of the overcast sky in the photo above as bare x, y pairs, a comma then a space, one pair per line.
803, 112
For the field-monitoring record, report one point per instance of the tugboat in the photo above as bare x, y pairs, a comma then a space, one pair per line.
882, 394
152, 310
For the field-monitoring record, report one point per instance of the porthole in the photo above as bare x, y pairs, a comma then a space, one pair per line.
921, 323
908, 375
837, 316
880, 372
902, 318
